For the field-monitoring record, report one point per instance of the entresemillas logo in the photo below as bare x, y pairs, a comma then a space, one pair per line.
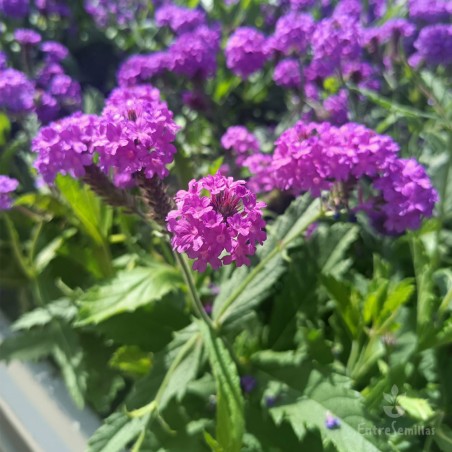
393, 409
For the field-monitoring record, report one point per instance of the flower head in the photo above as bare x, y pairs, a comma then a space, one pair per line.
245, 51
141, 68
241, 141
16, 9
7, 185
287, 74
54, 51
179, 19
65, 146
25, 36
434, 44
16, 92
217, 221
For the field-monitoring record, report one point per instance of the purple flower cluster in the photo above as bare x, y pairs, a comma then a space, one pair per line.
241, 141
54, 51
406, 196
7, 185
16, 9
434, 45
287, 74
16, 92
336, 40
315, 157
27, 37
430, 11
336, 108
179, 19
65, 146
134, 133
292, 34
194, 54
119, 12
217, 221
141, 68
245, 51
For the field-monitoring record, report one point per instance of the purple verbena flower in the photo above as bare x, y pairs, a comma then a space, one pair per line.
65, 146
25, 36
260, 167
245, 51
336, 107
430, 11
55, 52
331, 422
194, 54
434, 44
16, 92
287, 74
136, 135
7, 185
141, 68
292, 34
117, 12
217, 221
407, 196
179, 19
53, 7
248, 383
16, 9
240, 140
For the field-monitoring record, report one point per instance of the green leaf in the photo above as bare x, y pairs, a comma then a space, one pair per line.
63, 309
417, 408
248, 287
132, 360
230, 422
114, 435
128, 291
310, 394
443, 438
85, 206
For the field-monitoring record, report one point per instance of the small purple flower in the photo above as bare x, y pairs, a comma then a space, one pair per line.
287, 74
117, 12
271, 400
337, 108
241, 141
53, 7
141, 68
434, 44
16, 9
54, 51
7, 185
292, 34
245, 51
331, 422
217, 221
194, 54
16, 92
248, 383
26, 37
179, 19
430, 11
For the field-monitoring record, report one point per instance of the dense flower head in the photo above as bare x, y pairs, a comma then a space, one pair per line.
430, 11
26, 36
245, 51
194, 54
312, 156
301, 4
353, 9
392, 29
179, 19
7, 185
217, 221
65, 146
54, 51
240, 140
362, 74
126, 96
16, 92
53, 7
336, 40
434, 44
141, 68
292, 34
16, 9
47, 107
136, 135
120, 12
260, 167
407, 196
287, 73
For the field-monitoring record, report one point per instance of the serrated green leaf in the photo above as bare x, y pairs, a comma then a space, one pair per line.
63, 309
230, 422
116, 432
128, 291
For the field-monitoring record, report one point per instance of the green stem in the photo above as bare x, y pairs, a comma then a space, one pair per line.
25, 267
34, 241
198, 307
